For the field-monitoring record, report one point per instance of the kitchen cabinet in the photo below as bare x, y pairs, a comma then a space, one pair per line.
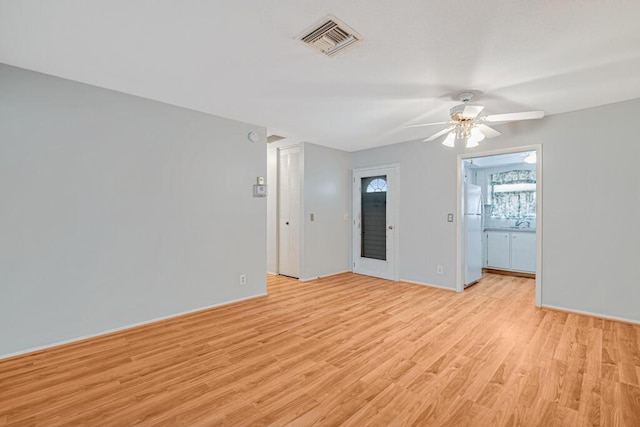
523, 252
498, 250
511, 250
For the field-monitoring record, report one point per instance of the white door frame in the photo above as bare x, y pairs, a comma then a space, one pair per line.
539, 220
394, 189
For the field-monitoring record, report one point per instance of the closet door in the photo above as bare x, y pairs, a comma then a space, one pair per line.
289, 212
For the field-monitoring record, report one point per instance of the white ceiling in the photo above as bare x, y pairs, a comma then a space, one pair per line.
240, 58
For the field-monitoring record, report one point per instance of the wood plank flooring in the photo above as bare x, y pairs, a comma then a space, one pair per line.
346, 350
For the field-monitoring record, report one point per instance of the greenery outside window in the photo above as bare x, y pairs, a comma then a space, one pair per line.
513, 194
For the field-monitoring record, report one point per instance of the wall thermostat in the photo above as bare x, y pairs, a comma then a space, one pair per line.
253, 136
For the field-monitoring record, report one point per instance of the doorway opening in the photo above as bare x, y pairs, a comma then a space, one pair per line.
500, 206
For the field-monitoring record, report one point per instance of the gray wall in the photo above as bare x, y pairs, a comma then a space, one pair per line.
326, 192
116, 210
590, 209
427, 190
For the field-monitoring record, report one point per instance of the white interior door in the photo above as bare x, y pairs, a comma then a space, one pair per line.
289, 212
374, 226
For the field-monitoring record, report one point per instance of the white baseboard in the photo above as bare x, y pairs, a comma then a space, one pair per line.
271, 273
428, 284
122, 328
322, 277
588, 313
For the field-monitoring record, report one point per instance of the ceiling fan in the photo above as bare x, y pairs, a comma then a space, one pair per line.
468, 125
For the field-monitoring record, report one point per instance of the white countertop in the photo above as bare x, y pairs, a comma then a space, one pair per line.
511, 229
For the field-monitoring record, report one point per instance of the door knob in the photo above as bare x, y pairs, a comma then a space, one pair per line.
391, 227
286, 223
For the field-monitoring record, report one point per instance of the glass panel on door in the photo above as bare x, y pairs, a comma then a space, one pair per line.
374, 217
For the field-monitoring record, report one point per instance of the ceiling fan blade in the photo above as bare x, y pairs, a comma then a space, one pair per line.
471, 111
439, 134
511, 117
427, 124
487, 131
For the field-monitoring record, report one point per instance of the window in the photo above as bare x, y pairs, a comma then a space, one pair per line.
377, 185
513, 194
373, 217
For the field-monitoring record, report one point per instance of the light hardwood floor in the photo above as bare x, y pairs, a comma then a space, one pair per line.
345, 350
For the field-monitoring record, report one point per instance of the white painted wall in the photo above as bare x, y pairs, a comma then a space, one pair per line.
115, 210
590, 209
327, 195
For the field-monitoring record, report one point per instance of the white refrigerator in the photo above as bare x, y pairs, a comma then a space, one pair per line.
472, 234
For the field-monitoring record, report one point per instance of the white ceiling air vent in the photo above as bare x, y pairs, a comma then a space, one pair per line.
331, 36
274, 138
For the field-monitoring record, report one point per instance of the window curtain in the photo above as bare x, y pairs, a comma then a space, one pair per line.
514, 177
513, 204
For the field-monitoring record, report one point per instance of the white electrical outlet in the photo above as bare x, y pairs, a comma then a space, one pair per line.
440, 269
243, 279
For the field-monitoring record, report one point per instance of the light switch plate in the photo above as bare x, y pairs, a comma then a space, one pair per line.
259, 191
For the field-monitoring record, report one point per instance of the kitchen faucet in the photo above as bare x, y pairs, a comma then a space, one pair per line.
521, 222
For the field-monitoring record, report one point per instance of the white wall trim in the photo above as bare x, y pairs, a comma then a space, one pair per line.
325, 276
430, 285
303, 217
539, 224
123, 328
588, 313
539, 220
458, 219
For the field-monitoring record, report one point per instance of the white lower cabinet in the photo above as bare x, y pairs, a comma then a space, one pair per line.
498, 250
523, 252
511, 251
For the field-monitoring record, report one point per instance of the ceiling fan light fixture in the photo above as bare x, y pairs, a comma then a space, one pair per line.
471, 143
450, 140
467, 123
475, 136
